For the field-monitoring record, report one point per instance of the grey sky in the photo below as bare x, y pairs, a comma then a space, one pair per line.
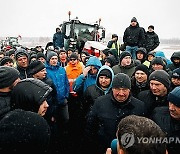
41, 17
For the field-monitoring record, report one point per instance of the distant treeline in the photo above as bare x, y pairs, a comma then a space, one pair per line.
174, 41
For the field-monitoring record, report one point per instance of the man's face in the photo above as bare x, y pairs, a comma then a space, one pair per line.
157, 67
62, 56
140, 55
121, 94
158, 88
53, 61
104, 82
93, 70
176, 81
150, 30
22, 61
174, 111
140, 76
126, 61
73, 61
150, 57
133, 23
41, 74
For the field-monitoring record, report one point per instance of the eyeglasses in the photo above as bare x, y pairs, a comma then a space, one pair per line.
72, 59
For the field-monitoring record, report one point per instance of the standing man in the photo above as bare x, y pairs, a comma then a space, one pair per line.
114, 43
152, 39
134, 37
58, 38
107, 112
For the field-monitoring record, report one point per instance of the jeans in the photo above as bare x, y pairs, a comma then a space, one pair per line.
132, 50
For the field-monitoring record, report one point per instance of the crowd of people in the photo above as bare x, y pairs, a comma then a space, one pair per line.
67, 101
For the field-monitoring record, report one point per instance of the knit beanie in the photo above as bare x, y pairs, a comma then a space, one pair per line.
5, 59
23, 132
151, 26
174, 96
35, 67
124, 54
105, 72
7, 76
73, 55
29, 94
21, 52
143, 68
40, 54
158, 60
50, 54
161, 76
176, 73
10, 52
134, 19
121, 80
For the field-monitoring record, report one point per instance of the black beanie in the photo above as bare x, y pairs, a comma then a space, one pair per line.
174, 96
50, 54
143, 68
121, 80
7, 76
158, 60
161, 76
35, 67
124, 54
40, 54
5, 59
23, 132
29, 94
134, 19
21, 52
105, 72
73, 55
151, 26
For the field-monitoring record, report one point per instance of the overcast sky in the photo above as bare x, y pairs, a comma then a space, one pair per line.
41, 17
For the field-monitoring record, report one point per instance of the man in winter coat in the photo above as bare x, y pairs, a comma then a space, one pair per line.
126, 64
107, 112
22, 62
58, 38
168, 118
152, 39
9, 77
102, 86
88, 77
159, 83
175, 58
134, 37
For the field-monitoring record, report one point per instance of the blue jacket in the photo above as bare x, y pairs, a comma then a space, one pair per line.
58, 75
82, 82
58, 39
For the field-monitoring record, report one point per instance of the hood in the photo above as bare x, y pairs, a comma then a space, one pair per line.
94, 61
175, 55
29, 94
112, 76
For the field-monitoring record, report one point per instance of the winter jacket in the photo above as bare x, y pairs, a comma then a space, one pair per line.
174, 65
82, 82
129, 70
134, 36
152, 41
5, 106
94, 91
104, 117
169, 125
58, 75
136, 87
58, 39
151, 101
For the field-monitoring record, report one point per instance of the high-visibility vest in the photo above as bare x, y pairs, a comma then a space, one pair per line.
118, 47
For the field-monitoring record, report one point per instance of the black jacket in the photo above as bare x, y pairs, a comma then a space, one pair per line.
151, 101
4, 103
134, 36
152, 41
169, 125
104, 118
